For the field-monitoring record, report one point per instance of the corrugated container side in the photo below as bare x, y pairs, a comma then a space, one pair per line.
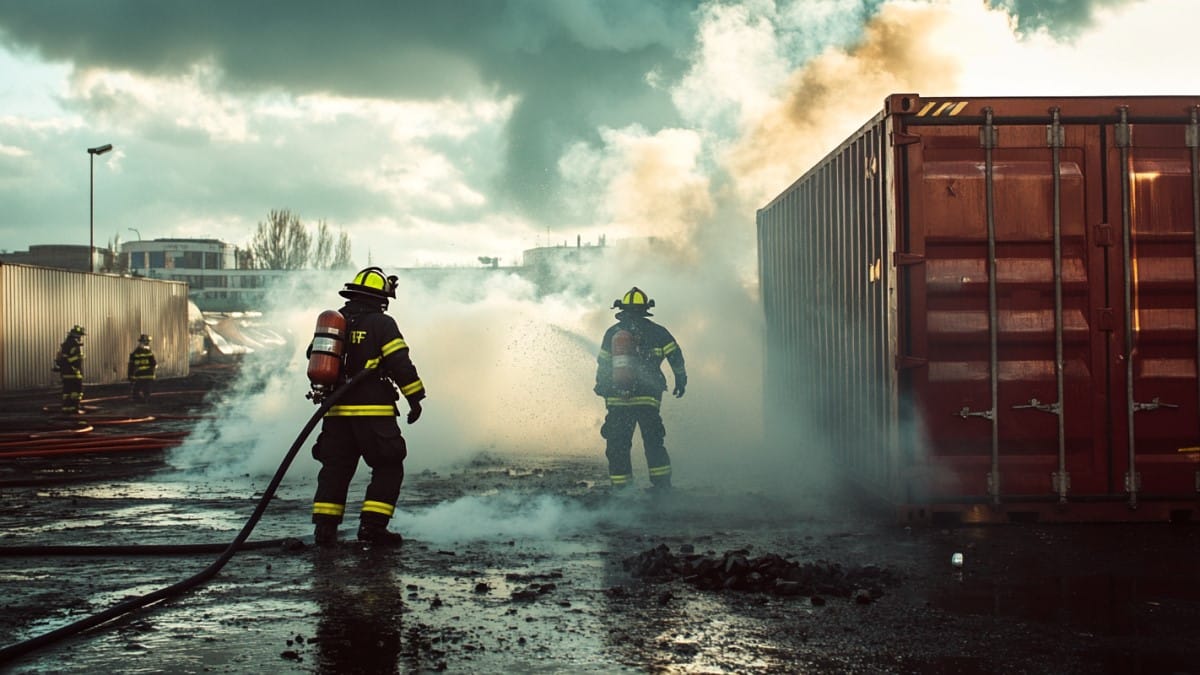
38, 306
988, 307
830, 326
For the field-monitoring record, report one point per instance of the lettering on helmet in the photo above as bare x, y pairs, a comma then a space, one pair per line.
357, 336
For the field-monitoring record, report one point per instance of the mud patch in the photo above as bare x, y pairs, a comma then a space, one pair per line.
770, 573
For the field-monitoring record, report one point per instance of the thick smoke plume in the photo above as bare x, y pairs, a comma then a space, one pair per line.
510, 366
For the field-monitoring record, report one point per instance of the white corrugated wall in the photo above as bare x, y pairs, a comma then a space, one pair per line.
38, 306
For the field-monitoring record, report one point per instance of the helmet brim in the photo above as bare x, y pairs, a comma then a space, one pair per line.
351, 294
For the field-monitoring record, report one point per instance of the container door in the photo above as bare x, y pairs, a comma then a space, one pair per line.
1153, 404
985, 381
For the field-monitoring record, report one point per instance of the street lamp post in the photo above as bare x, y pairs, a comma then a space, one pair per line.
92, 152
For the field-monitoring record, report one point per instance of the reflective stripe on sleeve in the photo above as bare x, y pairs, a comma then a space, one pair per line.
412, 388
394, 346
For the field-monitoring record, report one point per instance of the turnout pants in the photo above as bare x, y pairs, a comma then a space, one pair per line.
342, 441
72, 394
140, 389
618, 432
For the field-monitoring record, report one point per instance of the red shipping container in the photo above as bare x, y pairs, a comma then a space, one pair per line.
986, 308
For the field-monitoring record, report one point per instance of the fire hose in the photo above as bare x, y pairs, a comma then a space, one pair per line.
14, 650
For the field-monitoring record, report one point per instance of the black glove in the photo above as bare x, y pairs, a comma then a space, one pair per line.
600, 390
414, 411
680, 386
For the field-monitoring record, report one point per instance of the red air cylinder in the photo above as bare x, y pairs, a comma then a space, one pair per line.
623, 360
325, 359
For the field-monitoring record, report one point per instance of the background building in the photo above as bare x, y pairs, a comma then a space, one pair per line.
63, 257
214, 271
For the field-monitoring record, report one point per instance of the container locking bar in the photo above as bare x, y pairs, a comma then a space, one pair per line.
989, 138
1054, 138
967, 412
1123, 138
1193, 143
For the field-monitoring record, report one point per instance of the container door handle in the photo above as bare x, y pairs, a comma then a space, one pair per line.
967, 412
1052, 408
1154, 404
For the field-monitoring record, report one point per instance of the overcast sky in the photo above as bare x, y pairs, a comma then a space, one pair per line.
436, 132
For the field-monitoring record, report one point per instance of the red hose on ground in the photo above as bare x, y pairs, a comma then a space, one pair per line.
55, 433
125, 397
88, 440
130, 445
110, 420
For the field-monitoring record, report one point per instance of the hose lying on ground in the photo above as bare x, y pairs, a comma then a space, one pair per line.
141, 549
12, 651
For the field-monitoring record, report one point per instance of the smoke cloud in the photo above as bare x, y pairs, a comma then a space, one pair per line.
510, 368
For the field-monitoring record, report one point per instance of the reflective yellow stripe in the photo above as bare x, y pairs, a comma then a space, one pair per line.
394, 346
660, 470
412, 388
378, 507
142, 377
604, 356
620, 480
618, 402
371, 363
668, 348
328, 509
361, 411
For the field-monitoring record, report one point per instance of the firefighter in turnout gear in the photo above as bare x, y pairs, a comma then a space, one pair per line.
363, 423
630, 378
140, 370
68, 363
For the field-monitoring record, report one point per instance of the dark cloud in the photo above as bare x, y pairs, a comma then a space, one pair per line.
571, 65
1062, 18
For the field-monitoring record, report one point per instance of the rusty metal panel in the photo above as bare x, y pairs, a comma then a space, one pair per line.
1035, 304
38, 306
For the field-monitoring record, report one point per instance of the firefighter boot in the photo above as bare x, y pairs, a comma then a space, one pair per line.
370, 532
325, 534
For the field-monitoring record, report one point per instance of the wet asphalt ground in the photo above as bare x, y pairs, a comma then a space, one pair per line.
530, 564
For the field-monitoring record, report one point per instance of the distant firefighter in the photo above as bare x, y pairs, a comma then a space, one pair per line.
362, 336
68, 363
140, 371
629, 376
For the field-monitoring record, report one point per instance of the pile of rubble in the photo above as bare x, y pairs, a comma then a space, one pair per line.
768, 573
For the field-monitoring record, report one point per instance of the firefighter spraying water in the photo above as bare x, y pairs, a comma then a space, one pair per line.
629, 377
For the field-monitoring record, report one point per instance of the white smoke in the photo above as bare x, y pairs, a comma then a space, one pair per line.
510, 369
505, 516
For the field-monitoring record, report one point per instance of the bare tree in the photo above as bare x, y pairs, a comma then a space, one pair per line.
341, 255
113, 260
322, 251
281, 243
